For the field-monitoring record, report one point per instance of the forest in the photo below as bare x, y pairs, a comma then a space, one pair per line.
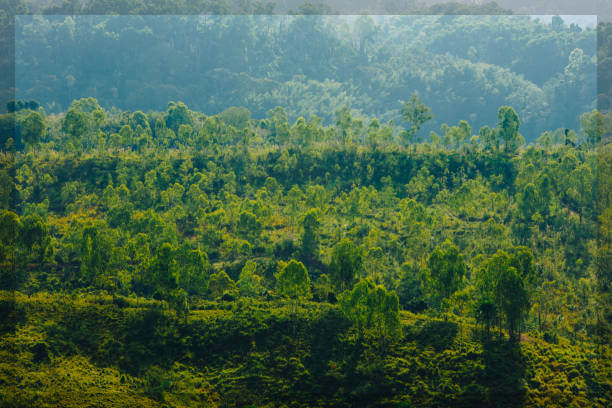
206, 210
547, 72
177, 258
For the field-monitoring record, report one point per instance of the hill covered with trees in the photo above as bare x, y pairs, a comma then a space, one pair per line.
206, 204
464, 67
184, 259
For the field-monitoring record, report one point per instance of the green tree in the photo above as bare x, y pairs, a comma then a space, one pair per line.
249, 283
498, 282
220, 284
592, 127
127, 135
280, 129
489, 138
33, 129
238, 117
177, 115
372, 306
75, 125
486, 312
249, 227
522, 259
508, 124
310, 223
164, 272
513, 299
292, 281
194, 270
346, 264
294, 198
322, 288
344, 122
95, 254
528, 203
35, 235
446, 270
415, 113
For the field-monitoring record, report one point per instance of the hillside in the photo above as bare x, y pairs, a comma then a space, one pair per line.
181, 259
106, 352
464, 66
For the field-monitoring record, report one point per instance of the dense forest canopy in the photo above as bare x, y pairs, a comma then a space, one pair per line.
315, 65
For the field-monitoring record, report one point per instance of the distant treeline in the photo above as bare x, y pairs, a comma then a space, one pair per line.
463, 67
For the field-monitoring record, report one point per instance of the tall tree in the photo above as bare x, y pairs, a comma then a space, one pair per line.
415, 113
500, 283
508, 124
33, 129
346, 264
163, 271
292, 281
369, 305
310, 223
447, 269
249, 283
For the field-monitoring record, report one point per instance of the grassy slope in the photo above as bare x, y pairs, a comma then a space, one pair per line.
93, 351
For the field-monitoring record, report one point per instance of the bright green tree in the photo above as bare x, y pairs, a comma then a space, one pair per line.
500, 283
372, 306
446, 270
164, 272
249, 283
194, 270
220, 284
292, 281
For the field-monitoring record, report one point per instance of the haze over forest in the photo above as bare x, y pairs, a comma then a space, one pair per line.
546, 72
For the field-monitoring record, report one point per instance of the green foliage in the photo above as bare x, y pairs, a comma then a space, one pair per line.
248, 64
372, 306
415, 113
177, 115
249, 283
292, 280
147, 356
237, 117
194, 270
346, 264
446, 270
500, 284
507, 125
164, 229
221, 284
310, 223
33, 128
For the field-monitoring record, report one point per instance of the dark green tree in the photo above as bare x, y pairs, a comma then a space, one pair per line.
310, 223
346, 264
33, 129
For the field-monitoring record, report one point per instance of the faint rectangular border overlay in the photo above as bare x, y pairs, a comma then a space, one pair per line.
602, 8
